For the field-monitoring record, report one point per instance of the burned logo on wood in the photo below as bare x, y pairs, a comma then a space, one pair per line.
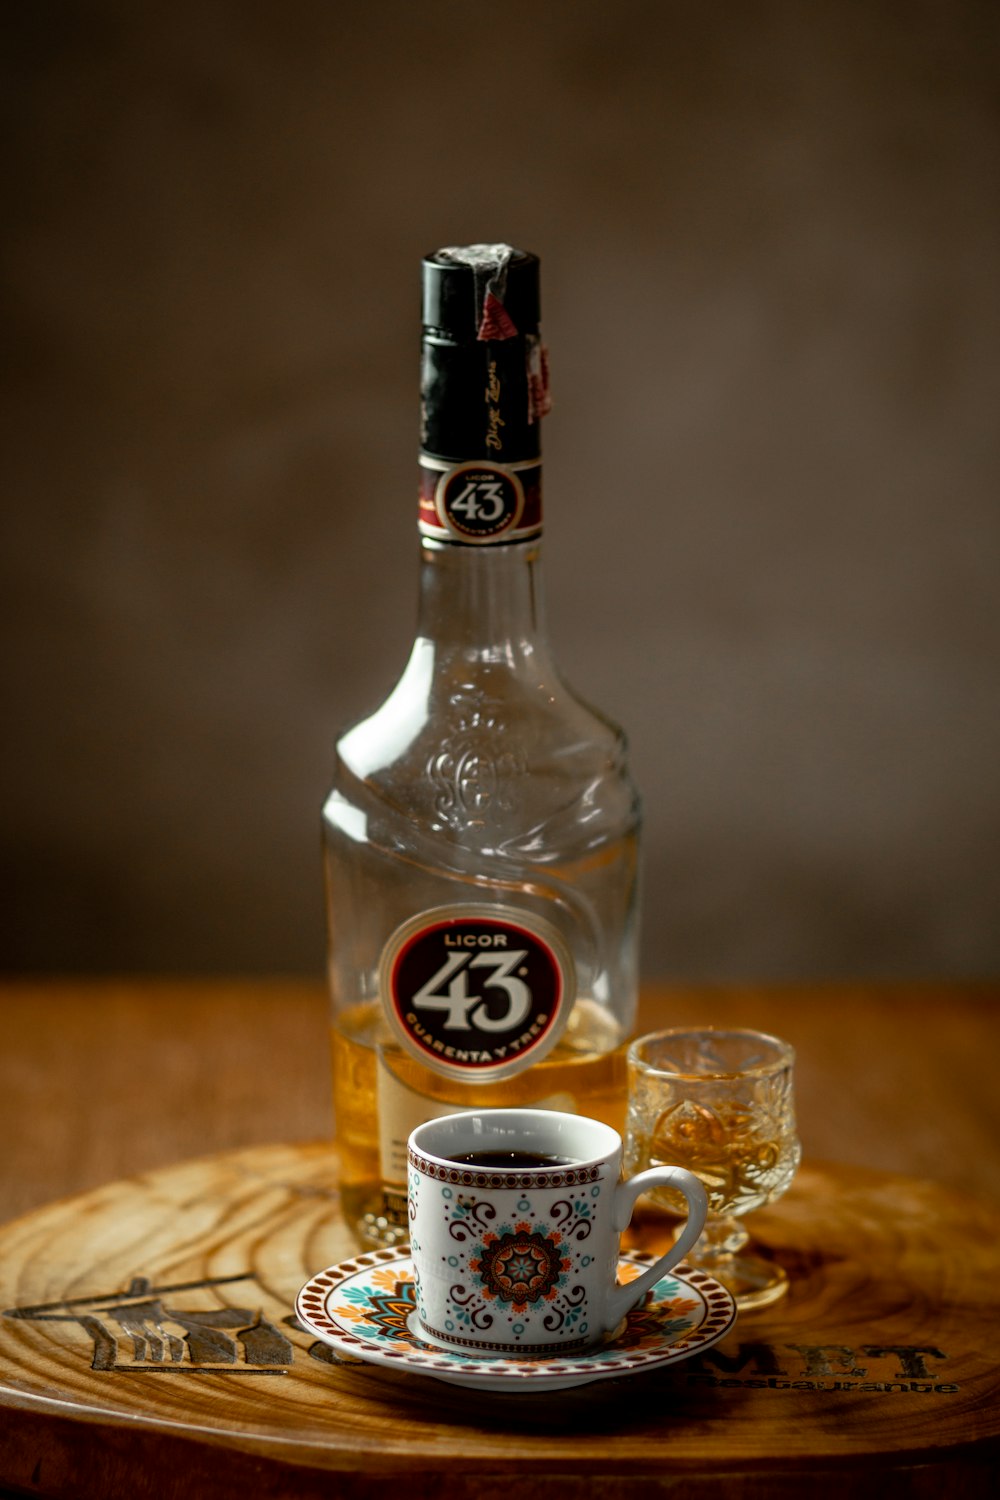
144, 1329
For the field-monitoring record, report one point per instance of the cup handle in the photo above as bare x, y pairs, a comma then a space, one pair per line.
623, 1298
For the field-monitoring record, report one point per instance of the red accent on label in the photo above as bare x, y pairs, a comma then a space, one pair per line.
539, 395
496, 324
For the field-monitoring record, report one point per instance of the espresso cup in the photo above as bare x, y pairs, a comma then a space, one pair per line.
515, 1222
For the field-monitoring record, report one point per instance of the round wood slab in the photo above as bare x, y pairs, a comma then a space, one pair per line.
147, 1329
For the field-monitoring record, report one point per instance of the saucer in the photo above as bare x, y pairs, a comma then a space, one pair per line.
363, 1308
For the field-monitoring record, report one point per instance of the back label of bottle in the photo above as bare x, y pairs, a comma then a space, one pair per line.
477, 991
480, 502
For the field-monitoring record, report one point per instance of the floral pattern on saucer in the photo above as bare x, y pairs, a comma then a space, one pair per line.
365, 1309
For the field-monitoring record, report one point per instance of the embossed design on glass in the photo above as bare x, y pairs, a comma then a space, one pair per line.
475, 770
721, 1104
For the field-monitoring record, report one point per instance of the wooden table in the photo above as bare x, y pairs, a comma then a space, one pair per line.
100, 1081
122, 1076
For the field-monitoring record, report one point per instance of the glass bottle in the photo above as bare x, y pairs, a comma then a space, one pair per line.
481, 834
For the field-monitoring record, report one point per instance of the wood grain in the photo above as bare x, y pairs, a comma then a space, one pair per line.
880, 1368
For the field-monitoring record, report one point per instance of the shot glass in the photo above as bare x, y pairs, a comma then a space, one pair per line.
721, 1104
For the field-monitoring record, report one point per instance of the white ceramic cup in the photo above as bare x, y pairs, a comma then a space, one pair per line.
520, 1260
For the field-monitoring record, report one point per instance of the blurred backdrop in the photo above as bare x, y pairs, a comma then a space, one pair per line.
769, 236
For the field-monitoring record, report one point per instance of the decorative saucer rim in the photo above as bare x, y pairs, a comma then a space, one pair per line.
401, 1351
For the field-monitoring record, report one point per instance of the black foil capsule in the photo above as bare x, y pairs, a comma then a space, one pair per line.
481, 355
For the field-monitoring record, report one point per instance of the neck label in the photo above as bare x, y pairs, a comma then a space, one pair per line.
480, 502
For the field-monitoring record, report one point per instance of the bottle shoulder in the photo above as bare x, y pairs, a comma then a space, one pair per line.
444, 697
491, 758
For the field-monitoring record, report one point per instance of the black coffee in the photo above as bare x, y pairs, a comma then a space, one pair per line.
518, 1161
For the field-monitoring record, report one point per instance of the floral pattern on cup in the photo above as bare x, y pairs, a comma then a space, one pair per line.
517, 1274
522, 1264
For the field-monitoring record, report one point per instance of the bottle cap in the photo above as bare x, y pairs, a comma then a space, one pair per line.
484, 382
481, 293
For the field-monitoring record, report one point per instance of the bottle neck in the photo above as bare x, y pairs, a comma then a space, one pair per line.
484, 391
483, 604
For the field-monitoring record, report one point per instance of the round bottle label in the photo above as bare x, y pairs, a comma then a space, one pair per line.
477, 991
480, 502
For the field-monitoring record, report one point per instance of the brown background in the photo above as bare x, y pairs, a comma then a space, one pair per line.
769, 235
